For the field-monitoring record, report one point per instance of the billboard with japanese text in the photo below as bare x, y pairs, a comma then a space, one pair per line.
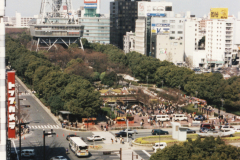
160, 28
11, 104
90, 1
219, 13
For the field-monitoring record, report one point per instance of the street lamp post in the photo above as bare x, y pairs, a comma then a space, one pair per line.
46, 134
19, 123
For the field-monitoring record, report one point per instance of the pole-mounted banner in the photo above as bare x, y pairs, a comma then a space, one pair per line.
11, 104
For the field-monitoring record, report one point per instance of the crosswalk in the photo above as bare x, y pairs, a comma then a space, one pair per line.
144, 154
24, 94
44, 127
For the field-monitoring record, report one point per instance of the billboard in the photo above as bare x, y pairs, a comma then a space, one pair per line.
219, 13
160, 28
11, 103
90, 1
152, 8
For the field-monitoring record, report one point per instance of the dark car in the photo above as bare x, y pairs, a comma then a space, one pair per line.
159, 132
123, 134
72, 135
190, 131
203, 130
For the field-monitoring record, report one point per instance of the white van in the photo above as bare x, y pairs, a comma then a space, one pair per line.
78, 146
157, 146
162, 118
28, 153
180, 117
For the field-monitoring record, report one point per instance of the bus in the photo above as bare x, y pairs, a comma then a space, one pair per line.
78, 146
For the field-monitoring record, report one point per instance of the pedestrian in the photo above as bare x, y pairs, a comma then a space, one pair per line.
122, 141
112, 140
115, 139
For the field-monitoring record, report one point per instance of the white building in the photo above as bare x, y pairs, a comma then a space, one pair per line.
169, 49
140, 33
129, 42
221, 36
18, 21
3, 110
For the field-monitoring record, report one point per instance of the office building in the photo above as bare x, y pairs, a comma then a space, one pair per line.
123, 14
96, 29
96, 25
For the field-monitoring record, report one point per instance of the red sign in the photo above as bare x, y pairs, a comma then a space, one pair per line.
90, 1
11, 104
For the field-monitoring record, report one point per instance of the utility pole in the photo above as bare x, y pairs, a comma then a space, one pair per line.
147, 81
19, 123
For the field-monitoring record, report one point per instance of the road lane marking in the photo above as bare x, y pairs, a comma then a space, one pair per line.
48, 126
36, 127
51, 126
146, 153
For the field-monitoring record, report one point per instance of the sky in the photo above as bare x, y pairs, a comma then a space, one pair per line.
196, 7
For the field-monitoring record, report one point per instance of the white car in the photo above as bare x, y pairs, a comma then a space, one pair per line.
130, 131
58, 158
228, 128
95, 138
157, 146
237, 129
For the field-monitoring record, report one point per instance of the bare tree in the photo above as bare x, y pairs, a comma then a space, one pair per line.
169, 57
189, 62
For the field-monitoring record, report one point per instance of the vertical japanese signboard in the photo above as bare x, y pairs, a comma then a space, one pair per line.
219, 13
11, 104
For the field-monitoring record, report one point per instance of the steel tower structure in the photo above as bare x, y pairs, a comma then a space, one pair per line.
56, 24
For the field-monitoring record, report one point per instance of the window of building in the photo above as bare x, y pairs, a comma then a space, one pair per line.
172, 26
180, 32
172, 21
180, 43
180, 21
164, 21
173, 32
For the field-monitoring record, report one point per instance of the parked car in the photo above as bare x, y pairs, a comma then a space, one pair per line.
130, 131
203, 130
160, 145
28, 153
159, 132
123, 134
180, 117
72, 135
95, 138
228, 128
190, 131
58, 158
237, 129
208, 126
162, 118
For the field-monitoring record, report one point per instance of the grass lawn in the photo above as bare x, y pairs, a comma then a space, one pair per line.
190, 109
236, 112
109, 112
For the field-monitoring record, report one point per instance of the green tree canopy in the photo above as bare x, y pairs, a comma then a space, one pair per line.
209, 149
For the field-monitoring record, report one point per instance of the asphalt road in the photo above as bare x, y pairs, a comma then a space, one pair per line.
40, 120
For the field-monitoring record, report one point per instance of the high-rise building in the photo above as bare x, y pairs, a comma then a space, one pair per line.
96, 25
123, 14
